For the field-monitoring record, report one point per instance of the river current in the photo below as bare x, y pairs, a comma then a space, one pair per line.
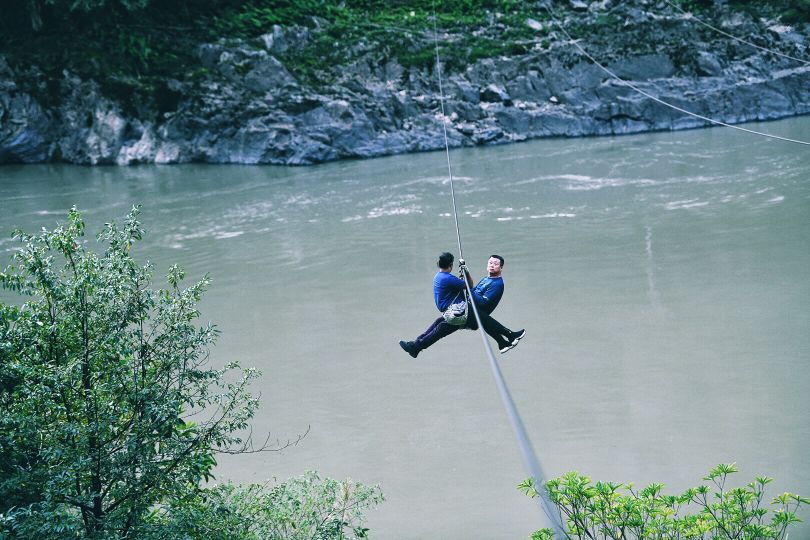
663, 280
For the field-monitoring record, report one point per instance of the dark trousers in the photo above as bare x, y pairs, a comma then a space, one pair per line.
441, 328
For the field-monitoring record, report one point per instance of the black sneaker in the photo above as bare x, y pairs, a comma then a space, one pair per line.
409, 347
514, 337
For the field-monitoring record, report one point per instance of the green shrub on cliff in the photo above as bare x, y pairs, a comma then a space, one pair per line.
610, 511
798, 12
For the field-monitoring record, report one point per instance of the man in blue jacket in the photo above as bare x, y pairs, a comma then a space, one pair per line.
449, 289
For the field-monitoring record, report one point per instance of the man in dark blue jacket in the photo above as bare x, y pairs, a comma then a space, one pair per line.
448, 289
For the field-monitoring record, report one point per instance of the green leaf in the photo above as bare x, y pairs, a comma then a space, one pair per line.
527, 488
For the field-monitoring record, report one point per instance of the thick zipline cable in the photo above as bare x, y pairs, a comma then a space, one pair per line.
658, 100
530, 460
741, 40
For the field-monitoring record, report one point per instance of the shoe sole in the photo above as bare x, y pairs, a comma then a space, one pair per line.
513, 344
411, 353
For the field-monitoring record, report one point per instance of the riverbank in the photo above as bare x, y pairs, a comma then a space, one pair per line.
280, 98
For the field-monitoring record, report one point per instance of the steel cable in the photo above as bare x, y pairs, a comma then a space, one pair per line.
658, 100
689, 15
530, 460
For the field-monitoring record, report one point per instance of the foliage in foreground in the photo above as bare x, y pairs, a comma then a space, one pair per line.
109, 404
302, 508
607, 510
111, 415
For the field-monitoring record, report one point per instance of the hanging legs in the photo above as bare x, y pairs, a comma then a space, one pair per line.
505, 338
436, 331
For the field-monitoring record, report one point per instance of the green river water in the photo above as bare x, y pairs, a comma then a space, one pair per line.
663, 279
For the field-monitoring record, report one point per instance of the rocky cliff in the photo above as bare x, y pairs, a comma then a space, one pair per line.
248, 108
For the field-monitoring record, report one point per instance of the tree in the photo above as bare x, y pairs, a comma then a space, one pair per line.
101, 377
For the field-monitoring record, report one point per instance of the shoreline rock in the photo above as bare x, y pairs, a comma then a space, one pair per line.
250, 109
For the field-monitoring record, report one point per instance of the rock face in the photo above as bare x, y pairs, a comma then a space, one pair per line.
250, 109
24, 127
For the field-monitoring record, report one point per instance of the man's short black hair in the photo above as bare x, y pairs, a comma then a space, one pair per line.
497, 257
445, 260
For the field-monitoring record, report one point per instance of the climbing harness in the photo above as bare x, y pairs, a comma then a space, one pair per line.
456, 313
657, 100
530, 460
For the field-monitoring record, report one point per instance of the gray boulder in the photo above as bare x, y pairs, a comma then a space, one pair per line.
139, 145
24, 125
91, 126
496, 93
24, 129
644, 67
708, 64
267, 74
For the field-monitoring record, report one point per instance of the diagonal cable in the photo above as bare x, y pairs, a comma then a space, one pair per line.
444, 127
530, 460
735, 38
658, 100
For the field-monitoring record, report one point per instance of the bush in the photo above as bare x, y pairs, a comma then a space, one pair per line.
798, 12
302, 508
607, 510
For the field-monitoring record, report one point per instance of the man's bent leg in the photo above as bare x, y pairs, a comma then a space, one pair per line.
430, 329
505, 338
436, 331
495, 329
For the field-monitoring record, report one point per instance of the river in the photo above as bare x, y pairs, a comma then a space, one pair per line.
663, 279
